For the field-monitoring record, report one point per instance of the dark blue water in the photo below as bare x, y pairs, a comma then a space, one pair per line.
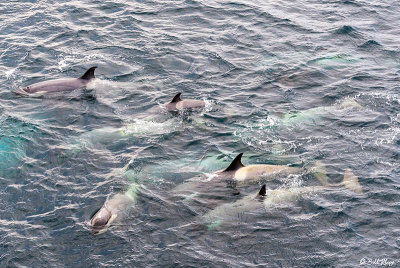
252, 62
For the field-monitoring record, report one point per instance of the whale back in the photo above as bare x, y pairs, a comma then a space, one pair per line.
65, 84
58, 85
178, 104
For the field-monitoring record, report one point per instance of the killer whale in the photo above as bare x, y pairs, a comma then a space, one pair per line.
178, 104
58, 85
113, 209
220, 183
268, 198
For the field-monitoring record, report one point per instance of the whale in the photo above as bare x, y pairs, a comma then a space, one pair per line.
241, 174
114, 208
58, 85
269, 198
177, 104
155, 122
252, 173
106, 136
314, 114
215, 186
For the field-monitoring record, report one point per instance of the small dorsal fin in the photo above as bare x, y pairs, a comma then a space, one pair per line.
177, 98
236, 163
263, 191
89, 74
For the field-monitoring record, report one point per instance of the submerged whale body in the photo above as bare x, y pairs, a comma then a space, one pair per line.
268, 198
113, 209
218, 184
57, 85
178, 104
107, 214
314, 114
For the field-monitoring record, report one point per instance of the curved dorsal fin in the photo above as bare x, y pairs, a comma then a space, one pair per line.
89, 74
262, 191
177, 98
236, 163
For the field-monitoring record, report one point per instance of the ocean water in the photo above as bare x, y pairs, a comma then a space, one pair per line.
275, 75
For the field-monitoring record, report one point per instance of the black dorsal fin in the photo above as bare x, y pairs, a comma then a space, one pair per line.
263, 191
177, 98
236, 163
89, 74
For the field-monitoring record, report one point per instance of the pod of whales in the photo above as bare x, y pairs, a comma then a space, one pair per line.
214, 188
219, 183
57, 85
155, 122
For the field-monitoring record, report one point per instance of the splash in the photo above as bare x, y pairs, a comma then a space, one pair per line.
141, 127
263, 134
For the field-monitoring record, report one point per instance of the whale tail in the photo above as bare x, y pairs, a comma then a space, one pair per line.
89, 74
350, 181
319, 172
